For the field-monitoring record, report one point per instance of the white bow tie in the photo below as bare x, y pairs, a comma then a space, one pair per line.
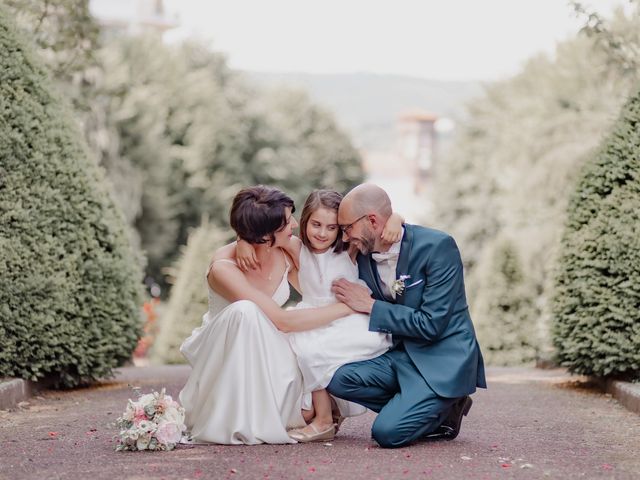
385, 256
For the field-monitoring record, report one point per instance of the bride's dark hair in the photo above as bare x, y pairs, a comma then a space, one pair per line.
320, 199
258, 212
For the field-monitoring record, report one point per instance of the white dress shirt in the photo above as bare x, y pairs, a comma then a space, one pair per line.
387, 263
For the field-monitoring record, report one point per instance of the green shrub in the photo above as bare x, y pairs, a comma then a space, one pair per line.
597, 301
188, 299
503, 311
70, 294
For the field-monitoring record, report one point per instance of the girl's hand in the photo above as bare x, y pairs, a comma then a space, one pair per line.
246, 256
392, 231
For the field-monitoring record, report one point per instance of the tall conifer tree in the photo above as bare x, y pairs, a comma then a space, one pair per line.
597, 300
70, 294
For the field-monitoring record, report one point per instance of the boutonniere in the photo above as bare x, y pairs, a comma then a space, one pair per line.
398, 285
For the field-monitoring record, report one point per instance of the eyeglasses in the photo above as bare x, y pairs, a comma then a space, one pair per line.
347, 228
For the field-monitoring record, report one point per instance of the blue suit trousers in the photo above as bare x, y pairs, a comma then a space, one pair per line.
392, 386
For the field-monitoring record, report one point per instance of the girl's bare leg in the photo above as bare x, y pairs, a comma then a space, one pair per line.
323, 419
308, 414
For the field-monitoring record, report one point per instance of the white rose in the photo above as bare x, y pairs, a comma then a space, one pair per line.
146, 399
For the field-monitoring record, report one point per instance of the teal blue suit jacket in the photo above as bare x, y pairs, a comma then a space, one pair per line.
431, 317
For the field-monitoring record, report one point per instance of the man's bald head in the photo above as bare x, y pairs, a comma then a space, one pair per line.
368, 198
362, 215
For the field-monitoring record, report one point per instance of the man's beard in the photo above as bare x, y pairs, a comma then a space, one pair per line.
366, 243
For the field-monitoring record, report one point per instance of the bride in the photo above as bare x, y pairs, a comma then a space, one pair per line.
245, 386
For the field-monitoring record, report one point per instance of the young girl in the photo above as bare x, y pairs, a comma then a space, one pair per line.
322, 257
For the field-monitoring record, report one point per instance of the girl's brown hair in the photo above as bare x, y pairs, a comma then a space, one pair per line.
320, 199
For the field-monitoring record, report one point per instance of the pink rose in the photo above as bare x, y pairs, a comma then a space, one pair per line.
139, 415
168, 432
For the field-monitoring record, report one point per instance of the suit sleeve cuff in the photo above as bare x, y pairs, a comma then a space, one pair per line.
378, 315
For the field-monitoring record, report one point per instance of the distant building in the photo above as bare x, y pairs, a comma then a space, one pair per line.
131, 17
406, 171
416, 147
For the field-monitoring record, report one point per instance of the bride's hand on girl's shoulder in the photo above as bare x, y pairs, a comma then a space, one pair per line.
392, 231
246, 258
293, 250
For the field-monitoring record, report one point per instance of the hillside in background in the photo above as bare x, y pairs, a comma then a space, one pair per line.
367, 105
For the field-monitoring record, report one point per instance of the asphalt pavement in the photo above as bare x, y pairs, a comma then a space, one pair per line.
529, 424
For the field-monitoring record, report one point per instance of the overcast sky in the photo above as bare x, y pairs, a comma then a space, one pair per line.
438, 39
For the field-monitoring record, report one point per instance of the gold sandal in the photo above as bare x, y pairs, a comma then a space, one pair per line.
337, 421
304, 437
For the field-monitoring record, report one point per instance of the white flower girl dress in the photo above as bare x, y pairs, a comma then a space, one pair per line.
320, 352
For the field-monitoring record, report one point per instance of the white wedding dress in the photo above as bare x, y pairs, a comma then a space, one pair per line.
245, 386
320, 352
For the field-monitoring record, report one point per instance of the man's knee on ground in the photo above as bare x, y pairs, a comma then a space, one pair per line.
387, 434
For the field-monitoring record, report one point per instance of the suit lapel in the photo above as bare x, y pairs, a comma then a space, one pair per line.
402, 268
375, 276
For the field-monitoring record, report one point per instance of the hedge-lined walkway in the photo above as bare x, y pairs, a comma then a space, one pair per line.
530, 424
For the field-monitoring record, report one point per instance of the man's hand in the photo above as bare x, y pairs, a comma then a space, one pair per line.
352, 294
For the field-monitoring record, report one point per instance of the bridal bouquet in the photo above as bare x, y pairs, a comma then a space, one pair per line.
154, 422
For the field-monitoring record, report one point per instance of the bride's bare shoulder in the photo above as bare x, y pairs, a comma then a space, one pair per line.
223, 258
227, 252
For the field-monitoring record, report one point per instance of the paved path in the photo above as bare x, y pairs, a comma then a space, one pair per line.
530, 424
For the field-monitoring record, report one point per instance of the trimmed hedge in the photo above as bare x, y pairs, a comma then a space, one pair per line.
597, 301
71, 290
505, 316
188, 300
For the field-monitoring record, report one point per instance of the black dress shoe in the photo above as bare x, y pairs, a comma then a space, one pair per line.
450, 428
441, 433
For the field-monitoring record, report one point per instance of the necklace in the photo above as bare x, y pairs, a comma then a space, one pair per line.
268, 277
262, 275
259, 272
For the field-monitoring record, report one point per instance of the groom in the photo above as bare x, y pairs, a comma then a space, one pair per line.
420, 387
